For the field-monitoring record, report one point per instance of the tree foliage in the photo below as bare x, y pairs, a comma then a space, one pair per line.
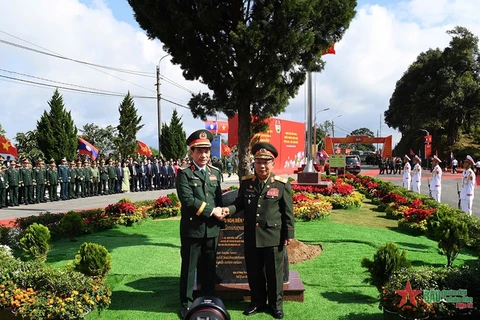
440, 91
27, 145
252, 55
56, 131
363, 132
102, 138
173, 139
2, 131
128, 127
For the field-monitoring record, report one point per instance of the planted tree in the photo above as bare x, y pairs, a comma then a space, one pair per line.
453, 236
56, 132
72, 224
27, 145
35, 241
128, 127
173, 139
386, 260
93, 260
252, 55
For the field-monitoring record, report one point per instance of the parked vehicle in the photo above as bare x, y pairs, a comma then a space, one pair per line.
353, 164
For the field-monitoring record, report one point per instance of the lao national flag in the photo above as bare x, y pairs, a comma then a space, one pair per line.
211, 126
85, 147
322, 154
143, 149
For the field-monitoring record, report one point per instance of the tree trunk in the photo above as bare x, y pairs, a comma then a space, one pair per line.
244, 138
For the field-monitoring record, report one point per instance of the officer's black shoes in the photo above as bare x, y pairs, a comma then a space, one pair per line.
183, 312
277, 314
251, 310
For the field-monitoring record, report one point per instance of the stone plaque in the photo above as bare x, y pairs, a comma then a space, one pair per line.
231, 267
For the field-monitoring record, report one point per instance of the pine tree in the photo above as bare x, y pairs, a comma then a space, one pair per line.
2, 131
173, 139
57, 133
128, 127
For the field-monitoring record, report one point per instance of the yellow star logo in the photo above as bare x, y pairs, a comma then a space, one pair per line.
6, 145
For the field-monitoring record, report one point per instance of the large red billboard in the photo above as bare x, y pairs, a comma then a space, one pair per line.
287, 136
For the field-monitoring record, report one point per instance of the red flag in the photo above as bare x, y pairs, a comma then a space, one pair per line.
216, 126
411, 152
7, 147
330, 50
226, 151
143, 149
85, 147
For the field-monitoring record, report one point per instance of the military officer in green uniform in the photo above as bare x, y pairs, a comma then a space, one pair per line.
112, 176
103, 169
3, 184
88, 178
27, 180
52, 181
79, 180
200, 193
40, 181
95, 179
72, 176
266, 200
13, 181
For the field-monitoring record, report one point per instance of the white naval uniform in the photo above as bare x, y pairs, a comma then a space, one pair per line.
406, 175
468, 188
416, 178
436, 183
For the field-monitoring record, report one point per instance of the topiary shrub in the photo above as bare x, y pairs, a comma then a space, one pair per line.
386, 260
72, 225
35, 241
93, 260
452, 235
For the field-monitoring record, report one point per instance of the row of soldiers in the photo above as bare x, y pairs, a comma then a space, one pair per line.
390, 165
22, 183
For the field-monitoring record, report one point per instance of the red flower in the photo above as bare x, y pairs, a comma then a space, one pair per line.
163, 202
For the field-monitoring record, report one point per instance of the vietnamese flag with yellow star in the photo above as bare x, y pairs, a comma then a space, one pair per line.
6, 147
143, 149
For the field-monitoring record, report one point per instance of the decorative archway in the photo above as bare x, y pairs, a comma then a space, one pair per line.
386, 141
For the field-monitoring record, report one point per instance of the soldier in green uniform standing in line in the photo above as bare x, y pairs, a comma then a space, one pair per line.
72, 176
79, 180
40, 181
200, 193
95, 179
112, 176
103, 169
3, 185
63, 177
13, 180
266, 200
52, 181
88, 178
26, 174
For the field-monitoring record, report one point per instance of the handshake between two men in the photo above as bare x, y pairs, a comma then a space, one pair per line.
220, 213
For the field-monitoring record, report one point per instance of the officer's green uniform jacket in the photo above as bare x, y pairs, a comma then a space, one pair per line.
268, 213
111, 172
87, 173
52, 176
80, 173
13, 177
26, 175
103, 172
199, 195
72, 172
39, 175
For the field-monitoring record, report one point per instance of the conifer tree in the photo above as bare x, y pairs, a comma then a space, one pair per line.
128, 127
173, 139
2, 131
56, 131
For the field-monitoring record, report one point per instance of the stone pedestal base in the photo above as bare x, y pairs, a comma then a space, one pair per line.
292, 291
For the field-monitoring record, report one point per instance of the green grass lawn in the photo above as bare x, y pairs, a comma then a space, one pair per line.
146, 266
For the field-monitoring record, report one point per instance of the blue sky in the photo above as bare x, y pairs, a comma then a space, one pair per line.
384, 38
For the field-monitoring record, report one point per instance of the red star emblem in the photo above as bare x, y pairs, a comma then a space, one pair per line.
408, 294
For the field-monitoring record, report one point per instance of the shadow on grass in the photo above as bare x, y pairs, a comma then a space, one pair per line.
111, 239
368, 243
419, 263
153, 294
413, 245
362, 316
349, 297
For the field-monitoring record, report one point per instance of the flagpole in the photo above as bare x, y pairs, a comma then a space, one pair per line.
309, 166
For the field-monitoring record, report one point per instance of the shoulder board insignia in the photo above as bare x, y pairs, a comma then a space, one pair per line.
281, 179
210, 166
183, 168
250, 176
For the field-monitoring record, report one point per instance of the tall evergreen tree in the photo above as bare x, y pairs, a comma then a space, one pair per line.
173, 138
253, 55
2, 131
128, 127
56, 131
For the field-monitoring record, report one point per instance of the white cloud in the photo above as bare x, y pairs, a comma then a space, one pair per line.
382, 41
